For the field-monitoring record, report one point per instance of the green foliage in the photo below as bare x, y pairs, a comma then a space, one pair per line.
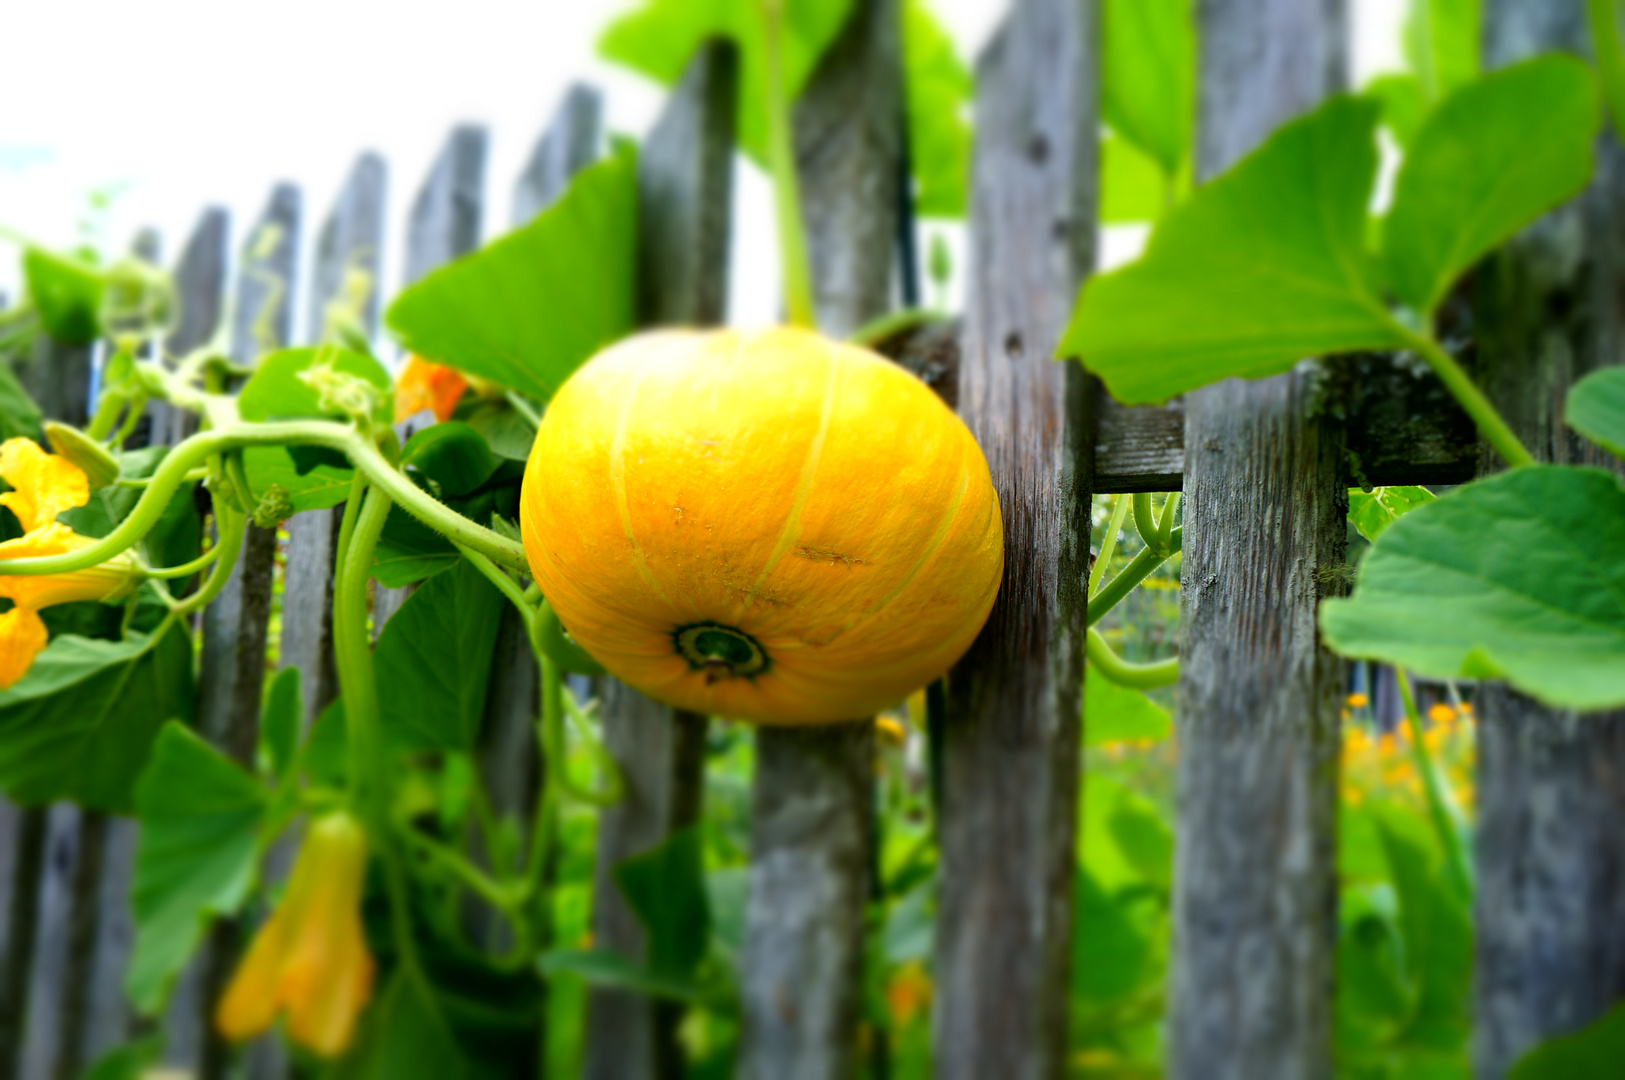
665, 887
66, 292
1258, 269
276, 390
1489, 159
1515, 577
280, 721
434, 661
1373, 511
128, 1061
200, 818
1149, 91
451, 454
1442, 42
937, 86
1596, 409
528, 309
19, 416
1592, 1053
1403, 105
319, 485
1132, 186
1113, 713
80, 724
404, 1034
178, 535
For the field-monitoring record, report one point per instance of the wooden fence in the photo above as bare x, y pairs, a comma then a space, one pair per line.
1264, 466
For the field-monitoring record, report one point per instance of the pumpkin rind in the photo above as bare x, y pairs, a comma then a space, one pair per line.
811, 495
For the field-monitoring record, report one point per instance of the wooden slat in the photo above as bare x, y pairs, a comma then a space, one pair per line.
1550, 912
349, 245
1010, 748
200, 279
1255, 888
685, 185
800, 972
25, 832
444, 224
568, 145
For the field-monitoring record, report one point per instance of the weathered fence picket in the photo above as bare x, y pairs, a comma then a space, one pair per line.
685, 186
1266, 505
1550, 915
812, 803
1010, 750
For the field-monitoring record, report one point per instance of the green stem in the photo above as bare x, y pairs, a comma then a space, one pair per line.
1466, 392
1138, 569
1447, 817
1108, 543
228, 546
798, 294
1145, 521
352, 654
553, 745
341, 437
523, 408
1114, 668
1610, 54
1165, 524
883, 329
187, 569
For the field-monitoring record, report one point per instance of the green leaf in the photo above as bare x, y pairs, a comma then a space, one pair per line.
665, 887
200, 817
319, 488
1373, 511
1132, 185
409, 551
1145, 840
1592, 1053
404, 1036
1437, 936
67, 293
1403, 105
276, 392
506, 431
1442, 42
1516, 577
128, 1061
938, 88
80, 724
1255, 271
1114, 714
19, 416
327, 748
434, 661
530, 308
452, 454
603, 967
1487, 161
659, 38
177, 536
280, 721
1596, 409
1149, 92
1110, 953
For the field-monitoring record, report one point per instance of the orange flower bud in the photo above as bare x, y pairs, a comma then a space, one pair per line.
425, 385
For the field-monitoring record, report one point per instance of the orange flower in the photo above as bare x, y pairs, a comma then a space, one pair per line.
310, 958
425, 385
908, 993
1358, 701
1441, 713
44, 485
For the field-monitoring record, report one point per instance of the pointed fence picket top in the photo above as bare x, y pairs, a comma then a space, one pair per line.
200, 292
568, 145
1266, 506
812, 802
1550, 913
1010, 745
685, 187
236, 626
444, 224
345, 272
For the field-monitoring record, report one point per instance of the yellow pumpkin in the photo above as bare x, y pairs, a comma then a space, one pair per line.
770, 526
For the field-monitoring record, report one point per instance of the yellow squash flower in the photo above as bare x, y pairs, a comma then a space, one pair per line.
45, 485
310, 958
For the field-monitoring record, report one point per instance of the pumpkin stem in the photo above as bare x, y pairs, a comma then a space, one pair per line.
722, 652
798, 294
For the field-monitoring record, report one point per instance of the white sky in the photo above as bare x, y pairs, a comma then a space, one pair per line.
179, 104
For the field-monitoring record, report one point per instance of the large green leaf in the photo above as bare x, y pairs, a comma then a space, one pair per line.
319, 486
1596, 409
1373, 511
1262, 267
1113, 714
1110, 952
19, 416
409, 551
80, 724
276, 390
665, 887
1149, 91
200, 817
434, 661
452, 454
938, 87
404, 1036
659, 38
530, 308
1442, 43
1592, 1053
1403, 105
1437, 938
1132, 185
66, 292
280, 720
1488, 160
1516, 577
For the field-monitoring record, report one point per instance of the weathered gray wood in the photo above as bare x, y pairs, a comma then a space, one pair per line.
48, 981
347, 254
685, 184
25, 831
444, 224
567, 145
236, 626
801, 968
1550, 911
1010, 747
200, 289
1254, 920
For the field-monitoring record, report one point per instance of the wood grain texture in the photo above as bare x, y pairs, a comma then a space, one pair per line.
349, 246
1255, 891
1550, 909
1010, 748
685, 188
25, 832
801, 967
567, 145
